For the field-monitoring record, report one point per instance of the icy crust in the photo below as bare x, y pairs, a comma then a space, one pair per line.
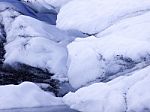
26, 94
94, 16
123, 94
118, 48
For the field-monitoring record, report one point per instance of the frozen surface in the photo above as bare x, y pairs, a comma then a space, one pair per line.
125, 93
117, 49
93, 16
26, 94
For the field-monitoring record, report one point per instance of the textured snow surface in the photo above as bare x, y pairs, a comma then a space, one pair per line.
118, 48
26, 94
94, 16
33, 42
125, 93
37, 44
111, 63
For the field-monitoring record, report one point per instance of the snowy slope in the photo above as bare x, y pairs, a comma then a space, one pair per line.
94, 16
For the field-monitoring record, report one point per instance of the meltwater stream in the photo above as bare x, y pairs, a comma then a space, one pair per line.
42, 109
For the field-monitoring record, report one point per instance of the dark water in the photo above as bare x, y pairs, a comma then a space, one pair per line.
42, 109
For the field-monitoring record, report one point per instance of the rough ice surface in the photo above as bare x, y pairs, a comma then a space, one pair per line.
27, 94
125, 93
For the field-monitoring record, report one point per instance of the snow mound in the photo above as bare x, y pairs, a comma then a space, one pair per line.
94, 16
26, 94
118, 49
125, 93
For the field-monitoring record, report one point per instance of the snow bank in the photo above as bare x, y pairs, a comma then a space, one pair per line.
26, 94
94, 16
125, 93
119, 48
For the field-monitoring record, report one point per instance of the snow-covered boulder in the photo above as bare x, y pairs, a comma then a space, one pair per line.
119, 48
26, 94
93, 16
123, 94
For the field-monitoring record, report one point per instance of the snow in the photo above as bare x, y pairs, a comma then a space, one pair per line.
37, 44
58, 3
27, 94
39, 5
101, 46
125, 93
118, 48
46, 5
82, 16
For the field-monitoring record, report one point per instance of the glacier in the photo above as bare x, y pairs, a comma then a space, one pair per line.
91, 55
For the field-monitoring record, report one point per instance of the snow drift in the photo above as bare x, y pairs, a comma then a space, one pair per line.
26, 94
